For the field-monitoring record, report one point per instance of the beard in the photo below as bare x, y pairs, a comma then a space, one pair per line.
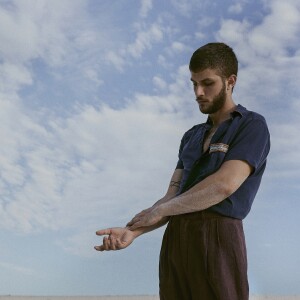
217, 103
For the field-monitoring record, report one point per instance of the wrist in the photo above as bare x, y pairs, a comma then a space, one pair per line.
161, 210
136, 232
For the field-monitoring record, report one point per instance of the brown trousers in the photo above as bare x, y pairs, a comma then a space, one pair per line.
203, 257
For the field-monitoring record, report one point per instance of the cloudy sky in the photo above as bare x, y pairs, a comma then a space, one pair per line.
94, 99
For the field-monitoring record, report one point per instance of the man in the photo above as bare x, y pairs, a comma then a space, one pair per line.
220, 166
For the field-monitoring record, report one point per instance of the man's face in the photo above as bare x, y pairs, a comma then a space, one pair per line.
210, 90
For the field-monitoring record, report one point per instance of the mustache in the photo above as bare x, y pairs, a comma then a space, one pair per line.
200, 99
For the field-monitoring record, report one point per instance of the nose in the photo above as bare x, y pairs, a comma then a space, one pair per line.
199, 91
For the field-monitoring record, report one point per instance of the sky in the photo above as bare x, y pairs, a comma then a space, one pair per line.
94, 99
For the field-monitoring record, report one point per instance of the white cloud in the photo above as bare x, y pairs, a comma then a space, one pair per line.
202, 26
93, 75
179, 47
174, 49
13, 76
96, 166
268, 51
146, 6
273, 38
116, 60
162, 61
20, 138
51, 167
236, 8
24, 45
234, 32
199, 35
145, 39
270, 62
146, 36
184, 7
70, 173
279, 30
159, 83
100, 162
38, 28
205, 22
54, 35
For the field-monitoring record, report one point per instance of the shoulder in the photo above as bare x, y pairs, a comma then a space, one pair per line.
251, 117
189, 134
254, 116
193, 130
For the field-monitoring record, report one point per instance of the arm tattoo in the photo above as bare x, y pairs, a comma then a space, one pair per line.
175, 183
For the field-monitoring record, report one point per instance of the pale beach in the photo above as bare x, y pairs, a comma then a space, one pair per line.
137, 297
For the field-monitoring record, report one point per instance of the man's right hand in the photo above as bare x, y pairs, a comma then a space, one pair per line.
115, 238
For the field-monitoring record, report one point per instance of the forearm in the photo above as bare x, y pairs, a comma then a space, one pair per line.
196, 199
165, 199
170, 194
172, 189
211, 191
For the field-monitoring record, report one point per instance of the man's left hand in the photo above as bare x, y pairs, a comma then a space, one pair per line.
147, 219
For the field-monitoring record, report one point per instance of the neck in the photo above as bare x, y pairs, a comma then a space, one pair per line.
223, 114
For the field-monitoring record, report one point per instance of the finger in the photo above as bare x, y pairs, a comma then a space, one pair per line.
104, 231
138, 216
106, 243
118, 245
130, 223
134, 220
142, 213
112, 242
99, 248
135, 225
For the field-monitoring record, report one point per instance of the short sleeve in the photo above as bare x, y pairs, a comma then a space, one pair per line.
251, 144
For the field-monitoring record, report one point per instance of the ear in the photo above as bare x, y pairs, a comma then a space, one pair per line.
231, 81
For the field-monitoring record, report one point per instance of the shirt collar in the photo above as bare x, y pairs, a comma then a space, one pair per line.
238, 111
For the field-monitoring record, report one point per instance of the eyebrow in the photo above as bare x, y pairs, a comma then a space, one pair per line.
205, 79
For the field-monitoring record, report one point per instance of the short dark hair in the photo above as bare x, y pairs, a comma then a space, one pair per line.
218, 56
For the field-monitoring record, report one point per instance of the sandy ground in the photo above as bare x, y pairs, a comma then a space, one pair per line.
127, 298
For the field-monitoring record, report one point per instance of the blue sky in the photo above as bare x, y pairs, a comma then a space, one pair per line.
94, 99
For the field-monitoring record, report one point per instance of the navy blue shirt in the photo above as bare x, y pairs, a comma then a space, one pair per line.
244, 136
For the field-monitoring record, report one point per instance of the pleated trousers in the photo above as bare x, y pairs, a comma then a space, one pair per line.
203, 257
